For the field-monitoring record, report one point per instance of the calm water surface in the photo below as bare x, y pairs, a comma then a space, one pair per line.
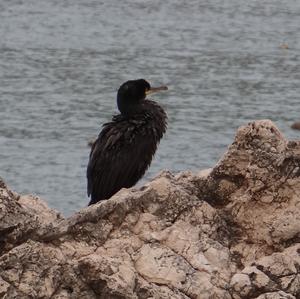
61, 63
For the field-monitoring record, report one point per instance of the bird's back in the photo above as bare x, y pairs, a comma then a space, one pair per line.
123, 151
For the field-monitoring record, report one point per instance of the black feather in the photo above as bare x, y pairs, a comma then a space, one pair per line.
124, 148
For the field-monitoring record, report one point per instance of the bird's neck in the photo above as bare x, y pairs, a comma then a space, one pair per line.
128, 108
146, 109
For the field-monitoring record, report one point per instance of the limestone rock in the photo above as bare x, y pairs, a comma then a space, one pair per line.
232, 231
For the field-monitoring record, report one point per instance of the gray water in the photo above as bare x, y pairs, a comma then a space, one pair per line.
62, 61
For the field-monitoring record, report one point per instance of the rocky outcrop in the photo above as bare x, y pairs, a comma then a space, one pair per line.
229, 232
296, 125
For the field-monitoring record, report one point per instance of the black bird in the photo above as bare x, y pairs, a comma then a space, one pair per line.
124, 148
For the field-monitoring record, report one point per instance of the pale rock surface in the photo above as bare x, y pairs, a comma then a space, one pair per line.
232, 231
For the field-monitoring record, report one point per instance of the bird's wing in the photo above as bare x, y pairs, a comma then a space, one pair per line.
119, 157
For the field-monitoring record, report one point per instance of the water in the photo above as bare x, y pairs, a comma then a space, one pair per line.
62, 61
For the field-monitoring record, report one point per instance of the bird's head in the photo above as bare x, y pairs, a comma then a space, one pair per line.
132, 93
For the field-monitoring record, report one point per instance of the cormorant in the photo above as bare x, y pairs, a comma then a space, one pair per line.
124, 148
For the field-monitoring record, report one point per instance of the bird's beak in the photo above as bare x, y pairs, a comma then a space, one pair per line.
156, 89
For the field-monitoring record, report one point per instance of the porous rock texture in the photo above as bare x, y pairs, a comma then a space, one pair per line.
228, 232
